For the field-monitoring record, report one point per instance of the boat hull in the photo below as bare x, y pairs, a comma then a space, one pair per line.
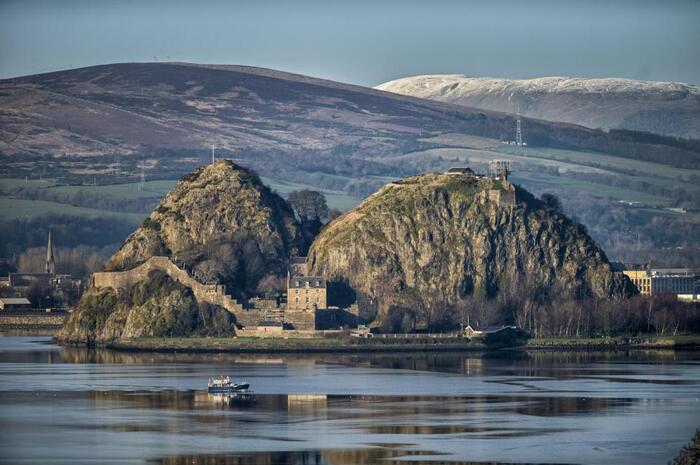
224, 390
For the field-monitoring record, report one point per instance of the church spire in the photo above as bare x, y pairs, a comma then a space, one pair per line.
50, 265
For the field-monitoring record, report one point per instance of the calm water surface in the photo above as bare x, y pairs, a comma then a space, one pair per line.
74, 406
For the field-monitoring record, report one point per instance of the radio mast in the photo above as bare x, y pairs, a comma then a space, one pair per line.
518, 130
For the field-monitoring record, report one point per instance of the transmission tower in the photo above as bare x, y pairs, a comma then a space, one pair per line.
212, 154
518, 131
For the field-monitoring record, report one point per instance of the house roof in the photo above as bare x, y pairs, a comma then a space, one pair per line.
489, 329
15, 301
27, 279
460, 170
316, 282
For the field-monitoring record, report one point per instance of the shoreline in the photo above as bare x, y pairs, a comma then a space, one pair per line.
248, 346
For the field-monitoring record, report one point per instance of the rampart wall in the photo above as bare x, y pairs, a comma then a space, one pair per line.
214, 294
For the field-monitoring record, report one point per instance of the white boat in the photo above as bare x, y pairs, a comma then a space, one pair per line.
223, 384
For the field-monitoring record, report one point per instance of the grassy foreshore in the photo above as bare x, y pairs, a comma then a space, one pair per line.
691, 341
261, 345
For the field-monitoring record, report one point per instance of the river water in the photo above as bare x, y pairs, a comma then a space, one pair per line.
74, 406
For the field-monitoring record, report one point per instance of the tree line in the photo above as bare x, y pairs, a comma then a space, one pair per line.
542, 314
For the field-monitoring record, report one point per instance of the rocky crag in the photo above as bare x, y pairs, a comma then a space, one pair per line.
432, 241
223, 226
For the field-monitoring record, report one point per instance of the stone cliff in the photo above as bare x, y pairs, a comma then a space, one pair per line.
437, 239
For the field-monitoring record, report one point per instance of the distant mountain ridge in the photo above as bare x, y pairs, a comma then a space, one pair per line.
179, 108
665, 108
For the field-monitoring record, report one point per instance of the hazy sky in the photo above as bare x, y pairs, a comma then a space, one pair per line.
362, 42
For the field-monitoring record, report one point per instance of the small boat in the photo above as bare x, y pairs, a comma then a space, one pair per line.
224, 385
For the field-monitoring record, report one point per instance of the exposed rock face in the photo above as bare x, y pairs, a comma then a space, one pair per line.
223, 223
439, 238
225, 226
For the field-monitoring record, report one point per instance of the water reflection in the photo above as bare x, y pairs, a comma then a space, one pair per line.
347, 407
339, 457
556, 364
70, 405
315, 457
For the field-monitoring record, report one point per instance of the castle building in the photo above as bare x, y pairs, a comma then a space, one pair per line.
305, 296
306, 293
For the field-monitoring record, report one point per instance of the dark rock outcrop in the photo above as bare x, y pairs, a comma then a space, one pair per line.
434, 239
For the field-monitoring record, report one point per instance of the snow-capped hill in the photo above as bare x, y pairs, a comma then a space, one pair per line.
668, 108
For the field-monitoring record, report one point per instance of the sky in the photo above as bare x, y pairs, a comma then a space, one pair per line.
360, 41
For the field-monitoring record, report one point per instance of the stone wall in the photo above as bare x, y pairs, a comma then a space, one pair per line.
504, 197
261, 331
292, 333
300, 319
210, 293
253, 316
21, 319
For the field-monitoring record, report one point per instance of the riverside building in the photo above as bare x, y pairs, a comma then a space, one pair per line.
677, 281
